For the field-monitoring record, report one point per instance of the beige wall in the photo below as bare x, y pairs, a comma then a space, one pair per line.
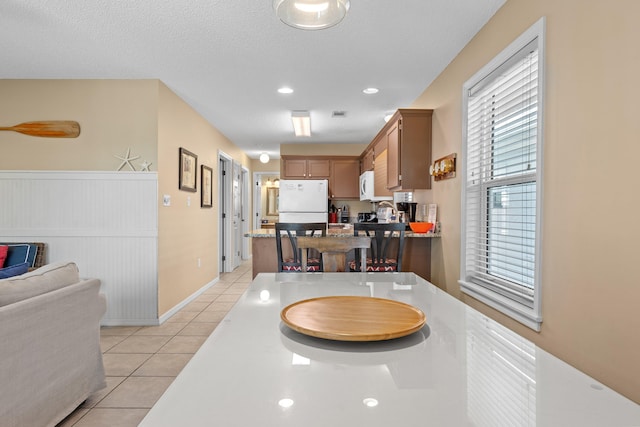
590, 270
273, 165
186, 233
113, 114
148, 118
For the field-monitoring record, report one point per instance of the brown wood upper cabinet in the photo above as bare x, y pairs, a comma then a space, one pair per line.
407, 140
366, 160
305, 168
343, 173
345, 179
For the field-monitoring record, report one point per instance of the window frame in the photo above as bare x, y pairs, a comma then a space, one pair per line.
530, 316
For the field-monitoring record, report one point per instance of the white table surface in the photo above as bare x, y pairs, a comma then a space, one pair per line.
461, 369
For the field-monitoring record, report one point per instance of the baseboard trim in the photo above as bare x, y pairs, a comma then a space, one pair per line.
130, 322
166, 316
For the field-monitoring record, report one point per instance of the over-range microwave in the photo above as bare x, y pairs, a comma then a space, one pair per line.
367, 188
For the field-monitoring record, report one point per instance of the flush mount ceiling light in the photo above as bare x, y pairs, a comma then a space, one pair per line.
311, 14
264, 158
301, 123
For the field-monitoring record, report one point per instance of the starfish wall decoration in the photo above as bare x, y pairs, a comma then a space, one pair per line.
145, 166
126, 160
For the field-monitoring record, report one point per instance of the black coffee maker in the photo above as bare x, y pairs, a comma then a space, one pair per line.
409, 209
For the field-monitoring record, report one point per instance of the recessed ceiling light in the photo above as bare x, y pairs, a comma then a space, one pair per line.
387, 117
311, 14
370, 90
370, 402
286, 402
285, 90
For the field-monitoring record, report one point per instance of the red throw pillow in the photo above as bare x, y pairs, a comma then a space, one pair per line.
3, 254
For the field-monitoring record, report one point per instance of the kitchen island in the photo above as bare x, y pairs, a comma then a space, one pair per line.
416, 257
460, 369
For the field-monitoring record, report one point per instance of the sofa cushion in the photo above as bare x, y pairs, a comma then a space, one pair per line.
14, 270
45, 279
3, 254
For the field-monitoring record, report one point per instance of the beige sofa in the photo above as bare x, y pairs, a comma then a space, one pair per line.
50, 358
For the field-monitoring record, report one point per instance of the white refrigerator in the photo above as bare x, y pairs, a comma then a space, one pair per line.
304, 200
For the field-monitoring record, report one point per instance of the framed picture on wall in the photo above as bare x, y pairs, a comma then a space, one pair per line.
188, 171
206, 192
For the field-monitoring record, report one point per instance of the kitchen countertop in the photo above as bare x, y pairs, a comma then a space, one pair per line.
339, 231
416, 255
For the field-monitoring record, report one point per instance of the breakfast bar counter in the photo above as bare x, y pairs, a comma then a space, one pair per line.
460, 369
416, 257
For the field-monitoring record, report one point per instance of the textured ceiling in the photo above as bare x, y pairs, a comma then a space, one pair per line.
228, 58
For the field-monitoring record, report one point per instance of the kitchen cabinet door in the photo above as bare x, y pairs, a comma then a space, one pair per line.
379, 145
380, 175
294, 169
366, 161
344, 180
318, 169
393, 156
409, 150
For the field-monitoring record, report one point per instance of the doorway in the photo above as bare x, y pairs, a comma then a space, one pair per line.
262, 181
224, 220
234, 221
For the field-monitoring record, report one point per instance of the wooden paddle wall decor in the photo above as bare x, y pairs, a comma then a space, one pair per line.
48, 129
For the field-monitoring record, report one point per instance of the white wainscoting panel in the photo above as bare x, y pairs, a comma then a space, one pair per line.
106, 222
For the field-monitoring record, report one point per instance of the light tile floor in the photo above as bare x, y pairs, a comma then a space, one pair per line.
141, 362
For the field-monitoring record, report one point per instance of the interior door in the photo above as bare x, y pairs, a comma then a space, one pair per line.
246, 212
226, 213
237, 214
222, 229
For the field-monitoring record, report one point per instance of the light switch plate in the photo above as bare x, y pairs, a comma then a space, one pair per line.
166, 200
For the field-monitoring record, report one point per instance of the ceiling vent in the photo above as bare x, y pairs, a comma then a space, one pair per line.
339, 114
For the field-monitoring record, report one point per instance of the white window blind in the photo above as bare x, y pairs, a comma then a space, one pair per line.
501, 194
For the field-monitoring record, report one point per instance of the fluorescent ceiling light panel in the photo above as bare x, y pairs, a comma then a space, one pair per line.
301, 123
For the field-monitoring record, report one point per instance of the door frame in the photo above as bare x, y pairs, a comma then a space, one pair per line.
246, 213
225, 227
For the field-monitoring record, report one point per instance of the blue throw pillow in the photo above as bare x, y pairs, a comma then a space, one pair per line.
19, 253
14, 270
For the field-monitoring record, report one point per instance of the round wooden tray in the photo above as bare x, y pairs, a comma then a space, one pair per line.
353, 318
